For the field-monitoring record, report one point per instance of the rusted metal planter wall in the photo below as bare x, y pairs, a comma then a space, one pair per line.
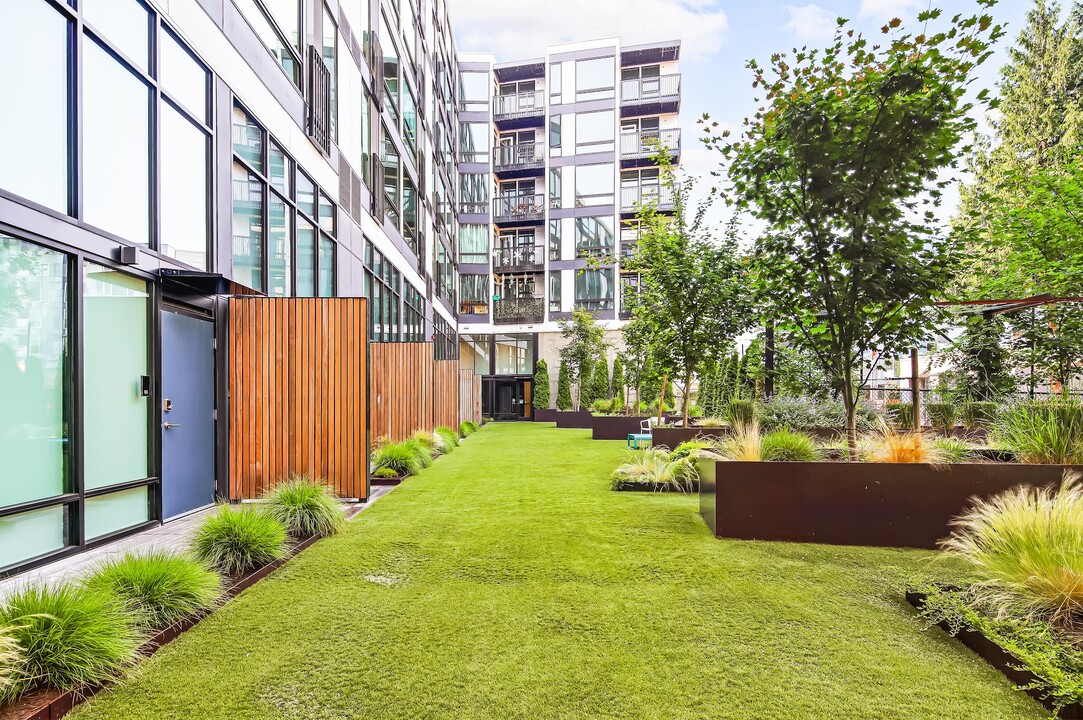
672, 437
579, 419
876, 504
545, 415
615, 427
297, 393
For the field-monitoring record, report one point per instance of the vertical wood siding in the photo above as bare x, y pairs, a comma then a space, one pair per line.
297, 393
410, 390
469, 395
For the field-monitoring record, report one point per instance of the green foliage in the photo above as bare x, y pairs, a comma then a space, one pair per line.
385, 472
690, 449
429, 440
1050, 340
607, 406
901, 414
308, 507
564, 388
584, 343
541, 386
421, 450
740, 412
235, 540
471, 426
619, 382
954, 450
449, 439
158, 587
10, 659
600, 383
942, 415
983, 360
1042, 432
70, 637
978, 414
807, 413
656, 468
711, 422
788, 445
401, 457
838, 164
1055, 661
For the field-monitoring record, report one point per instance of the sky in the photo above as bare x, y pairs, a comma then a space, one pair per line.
717, 39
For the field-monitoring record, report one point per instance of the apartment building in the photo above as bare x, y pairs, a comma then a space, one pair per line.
555, 155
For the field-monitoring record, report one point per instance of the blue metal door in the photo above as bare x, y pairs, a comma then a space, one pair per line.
187, 414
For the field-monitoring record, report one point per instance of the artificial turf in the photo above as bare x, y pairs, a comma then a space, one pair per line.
508, 581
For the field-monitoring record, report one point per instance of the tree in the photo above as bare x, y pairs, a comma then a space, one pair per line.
839, 164
635, 356
600, 381
619, 382
564, 388
982, 360
541, 385
584, 336
694, 294
1050, 344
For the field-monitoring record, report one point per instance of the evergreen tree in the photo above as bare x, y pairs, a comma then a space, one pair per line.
729, 381
982, 360
564, 388
585, 342
541, 386
599, 389
619, 381
705, 393
739, 387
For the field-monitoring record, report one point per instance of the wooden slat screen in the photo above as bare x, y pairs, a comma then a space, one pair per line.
297, 393
446, 387
410, 390
469, 395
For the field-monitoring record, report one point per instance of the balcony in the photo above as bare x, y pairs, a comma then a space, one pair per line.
520, 159
528, 105
646, 144
513, 311
522, 258
473, 307
650, 96
519, 209
660, 196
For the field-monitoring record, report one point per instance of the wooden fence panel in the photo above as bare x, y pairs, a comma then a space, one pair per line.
410, 391
297, 393
469, 395
446, 393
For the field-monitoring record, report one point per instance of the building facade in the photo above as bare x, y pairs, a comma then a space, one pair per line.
556, 153
158, 157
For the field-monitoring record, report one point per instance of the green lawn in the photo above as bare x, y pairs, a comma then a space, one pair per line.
508, 581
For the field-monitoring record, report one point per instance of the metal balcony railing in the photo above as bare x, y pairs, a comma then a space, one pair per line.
522, 258
648, 143
519, 157
651, 89
516, 208
521, 104
660, 196
519, 310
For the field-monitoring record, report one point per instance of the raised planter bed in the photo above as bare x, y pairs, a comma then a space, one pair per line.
841, 503
625, 486
578, 419
545, 415
615, 427
391, 481
1002, 660
54, 704
671, 437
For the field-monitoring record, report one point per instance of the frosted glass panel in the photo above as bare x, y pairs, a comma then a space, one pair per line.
115, 511
30, 534
33, 372
115, 359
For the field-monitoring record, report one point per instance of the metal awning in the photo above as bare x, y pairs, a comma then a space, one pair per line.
988, 308
198, 282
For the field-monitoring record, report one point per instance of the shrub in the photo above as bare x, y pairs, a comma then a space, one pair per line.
448, 437
954, 450
468, 427
421, 451
788, 445
942, 416
688, 449
1043, 432
10, 659
429, 440
892, 446
70, 636
385, 472
159, 587
802, 413
602, 406
1026, 547
541, 386
979, 414
400, 457
712, 422
901, 414
235, 540
306, 507
740, 412
655, 467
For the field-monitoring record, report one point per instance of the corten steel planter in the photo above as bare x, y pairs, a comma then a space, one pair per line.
388, 481
1002, 660
578, 419
672, 437
615, 427
841, 503
545, 415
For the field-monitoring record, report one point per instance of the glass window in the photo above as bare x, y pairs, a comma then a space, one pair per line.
554, 239
409, 120
474, 192
595, 79
409, 213
474, 91
330, 59
594, 234
327, 267
279, 226
36, 166
554, 79
391, 68
114, 512
554, 130
474, 142
116, 185
594, 289
327, 214
277, 35
183, 189
554, 291
124, 23
306, 195
514, 355
114, 361
593, 185
247, 139
30, 534
34, 373
279, 172
555, 187
306, 259
594, 131
182, 76
474, 244
247, 228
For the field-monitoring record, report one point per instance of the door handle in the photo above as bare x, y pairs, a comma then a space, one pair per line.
170, 426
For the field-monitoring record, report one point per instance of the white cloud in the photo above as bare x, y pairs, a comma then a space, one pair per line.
811, 23
521, 29
884, 10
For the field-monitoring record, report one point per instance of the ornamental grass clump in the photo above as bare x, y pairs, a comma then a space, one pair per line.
711, 422
894, 446
789, 446
942, 415
306, 507
746, 445
656, 468
158, 587
69, 637
400, 457
1043, 432
449, 439
421, 450
10, 658
1026, 547
429, 440
235, 540
955, 450
979, 414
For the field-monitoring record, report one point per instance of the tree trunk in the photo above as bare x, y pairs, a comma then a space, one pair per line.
685, 396
850, 403
662, 398
637, 399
